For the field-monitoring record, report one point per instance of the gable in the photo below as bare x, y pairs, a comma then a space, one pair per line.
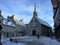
34, 22
37, 21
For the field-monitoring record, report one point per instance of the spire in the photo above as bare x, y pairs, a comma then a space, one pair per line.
35, 8
35, 12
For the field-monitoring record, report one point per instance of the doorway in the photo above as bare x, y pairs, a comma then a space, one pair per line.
33, 32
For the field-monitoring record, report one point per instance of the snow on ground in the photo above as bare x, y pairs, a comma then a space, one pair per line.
40, 41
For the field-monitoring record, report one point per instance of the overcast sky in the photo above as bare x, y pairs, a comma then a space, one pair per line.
24, 9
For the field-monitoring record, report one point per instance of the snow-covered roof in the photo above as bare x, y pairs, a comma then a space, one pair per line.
8, 24
43, 22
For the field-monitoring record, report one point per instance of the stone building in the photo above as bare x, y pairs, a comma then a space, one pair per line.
56, 17
35, 27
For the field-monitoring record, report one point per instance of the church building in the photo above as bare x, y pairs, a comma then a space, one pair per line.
35, 27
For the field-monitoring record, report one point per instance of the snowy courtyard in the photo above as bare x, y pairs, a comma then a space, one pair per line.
31, 41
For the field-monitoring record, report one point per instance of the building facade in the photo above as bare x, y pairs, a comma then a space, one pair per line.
56, 17
35, 27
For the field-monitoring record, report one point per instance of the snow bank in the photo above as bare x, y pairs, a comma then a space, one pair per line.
40, 41
48, 41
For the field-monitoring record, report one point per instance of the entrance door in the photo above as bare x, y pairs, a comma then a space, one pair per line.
33, 32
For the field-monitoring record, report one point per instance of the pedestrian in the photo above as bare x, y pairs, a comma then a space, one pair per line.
38, 36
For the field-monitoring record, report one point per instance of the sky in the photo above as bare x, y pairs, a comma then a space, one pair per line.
24, 9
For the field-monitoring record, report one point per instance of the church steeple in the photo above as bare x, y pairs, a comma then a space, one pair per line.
35, 12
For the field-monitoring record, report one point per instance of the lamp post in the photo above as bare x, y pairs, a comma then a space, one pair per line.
0, 35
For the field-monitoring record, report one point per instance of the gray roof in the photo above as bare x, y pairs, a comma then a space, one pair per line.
43, 22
